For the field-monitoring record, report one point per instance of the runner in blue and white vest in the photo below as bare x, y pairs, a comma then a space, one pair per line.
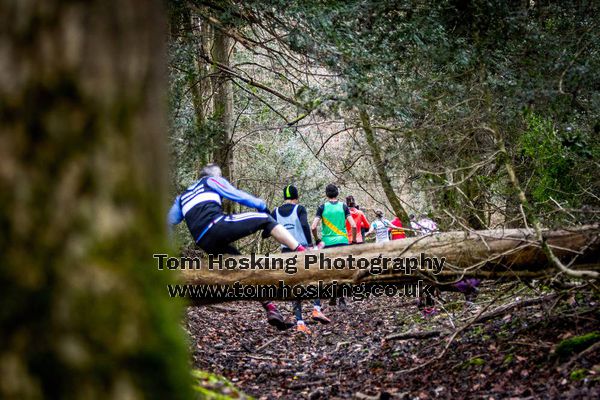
213, 231
381, 227
294, 218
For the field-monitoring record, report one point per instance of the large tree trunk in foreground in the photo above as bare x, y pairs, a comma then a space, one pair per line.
510, 254
82, 184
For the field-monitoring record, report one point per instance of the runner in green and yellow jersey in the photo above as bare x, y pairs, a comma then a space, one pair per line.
333, 216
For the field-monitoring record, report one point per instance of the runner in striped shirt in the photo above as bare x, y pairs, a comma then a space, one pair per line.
214, 231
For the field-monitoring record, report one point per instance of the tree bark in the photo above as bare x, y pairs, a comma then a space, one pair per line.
386, 182
508, 254
198, 36
205, 84
223, 102
196, 80
82, 195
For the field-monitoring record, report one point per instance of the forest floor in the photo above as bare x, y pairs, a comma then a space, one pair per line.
533, 351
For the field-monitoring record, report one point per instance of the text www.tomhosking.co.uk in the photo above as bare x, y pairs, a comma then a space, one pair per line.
375, 265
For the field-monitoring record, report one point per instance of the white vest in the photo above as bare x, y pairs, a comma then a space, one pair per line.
292, 224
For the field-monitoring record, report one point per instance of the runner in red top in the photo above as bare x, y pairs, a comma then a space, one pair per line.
359, 218
397, 233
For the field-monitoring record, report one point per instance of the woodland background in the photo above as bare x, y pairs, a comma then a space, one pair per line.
479, 113
411, 107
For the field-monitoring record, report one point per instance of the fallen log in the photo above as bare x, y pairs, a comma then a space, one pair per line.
508, 254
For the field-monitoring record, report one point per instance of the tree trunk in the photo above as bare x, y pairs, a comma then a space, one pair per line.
197, 36
386, 182
204, 86
223, 102
195, 79
82, 194
510, 254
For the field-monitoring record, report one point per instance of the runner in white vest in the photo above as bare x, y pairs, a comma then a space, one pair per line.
293, 222
294, 218
381, 227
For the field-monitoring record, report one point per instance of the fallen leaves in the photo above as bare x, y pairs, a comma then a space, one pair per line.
351, 358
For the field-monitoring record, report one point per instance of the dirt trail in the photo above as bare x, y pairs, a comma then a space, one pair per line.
509, 356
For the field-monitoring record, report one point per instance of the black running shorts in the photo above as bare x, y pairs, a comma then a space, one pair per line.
233, 227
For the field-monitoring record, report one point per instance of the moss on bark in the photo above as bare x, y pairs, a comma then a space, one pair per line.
84, 311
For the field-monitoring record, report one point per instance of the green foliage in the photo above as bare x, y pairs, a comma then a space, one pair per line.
548, 159
573, 345
476, 362
508, 359
210, 386
557, 164
578, 374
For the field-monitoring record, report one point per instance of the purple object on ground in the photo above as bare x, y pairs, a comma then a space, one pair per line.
467, 285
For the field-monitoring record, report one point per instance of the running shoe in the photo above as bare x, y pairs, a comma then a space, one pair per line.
319, 317
274, 318
303, 328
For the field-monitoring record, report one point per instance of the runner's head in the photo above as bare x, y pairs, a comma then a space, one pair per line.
379, 213
210, 170
350, 201
331, 191
290, 192
411, 217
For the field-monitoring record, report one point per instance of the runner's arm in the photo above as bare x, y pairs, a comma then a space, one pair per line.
371, 229
388, 224
365, 221
227, 190
303, 216
314, 227
175, 215
353, 226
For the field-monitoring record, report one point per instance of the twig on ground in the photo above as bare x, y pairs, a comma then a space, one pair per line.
413, 335
223, 308
302, 385
340, 344
262, 347
504, 309
362, 396
451, 339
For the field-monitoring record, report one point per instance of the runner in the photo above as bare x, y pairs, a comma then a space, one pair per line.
381, 227
214, 231
397, 231
362, 223
423, 226
293, 217
332, 215
363, 230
